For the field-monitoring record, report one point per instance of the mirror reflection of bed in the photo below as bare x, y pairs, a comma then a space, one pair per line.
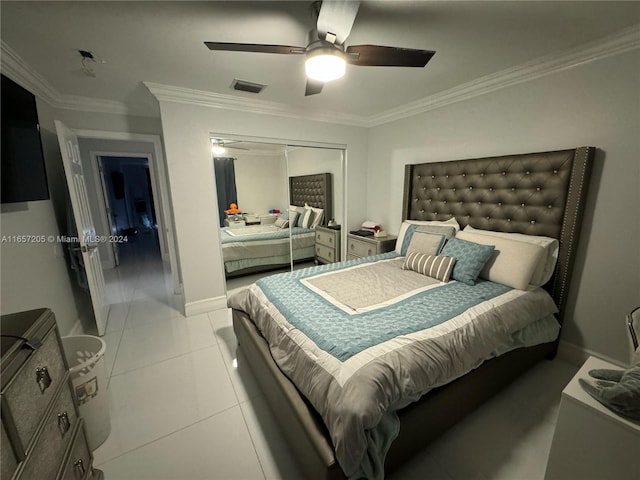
262, 181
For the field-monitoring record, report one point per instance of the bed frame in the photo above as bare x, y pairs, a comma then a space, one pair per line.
314, 190
535, 194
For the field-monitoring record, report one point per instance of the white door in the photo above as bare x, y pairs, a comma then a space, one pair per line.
110, 215
87, 240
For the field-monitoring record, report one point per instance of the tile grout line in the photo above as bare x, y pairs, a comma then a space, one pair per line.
169, 434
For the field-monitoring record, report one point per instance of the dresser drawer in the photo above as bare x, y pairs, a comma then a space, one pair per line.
46, 456
325, 253
31, 389
360, 248
77, 463
328, 239
8, 462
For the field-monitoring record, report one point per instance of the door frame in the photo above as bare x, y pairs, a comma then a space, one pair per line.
155, 194
160, 168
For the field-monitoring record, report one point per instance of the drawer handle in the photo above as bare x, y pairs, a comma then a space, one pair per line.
63, 423
43, 379
78, 468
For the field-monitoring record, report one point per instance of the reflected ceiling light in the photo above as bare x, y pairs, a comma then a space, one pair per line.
325, 64
217, 148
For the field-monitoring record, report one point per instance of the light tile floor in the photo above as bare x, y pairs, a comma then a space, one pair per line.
181, 409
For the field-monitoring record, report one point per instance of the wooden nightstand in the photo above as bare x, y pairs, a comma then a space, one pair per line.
327, 245
590, 441
358, 246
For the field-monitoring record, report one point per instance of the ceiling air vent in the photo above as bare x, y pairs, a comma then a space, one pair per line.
245, 86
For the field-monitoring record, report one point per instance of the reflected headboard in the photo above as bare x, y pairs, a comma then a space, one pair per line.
534, 194
314, 190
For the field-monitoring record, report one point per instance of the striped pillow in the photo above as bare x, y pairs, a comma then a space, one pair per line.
434, 266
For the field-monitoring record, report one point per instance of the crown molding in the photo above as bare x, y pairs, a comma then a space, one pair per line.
623, 41
201, 98
14, 67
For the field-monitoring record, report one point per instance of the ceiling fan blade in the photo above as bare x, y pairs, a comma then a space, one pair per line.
313, 87
255, 47
379, 56
336, 17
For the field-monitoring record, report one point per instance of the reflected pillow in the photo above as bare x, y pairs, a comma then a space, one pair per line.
470, 259
434, 266
318, 216
307, 218
281, 223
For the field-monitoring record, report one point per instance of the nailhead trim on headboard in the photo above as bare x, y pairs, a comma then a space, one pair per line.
535, 194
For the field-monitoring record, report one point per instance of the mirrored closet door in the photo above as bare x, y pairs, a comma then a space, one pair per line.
258, 185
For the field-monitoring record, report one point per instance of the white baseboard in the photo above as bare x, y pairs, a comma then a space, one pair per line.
576, 355
204, 306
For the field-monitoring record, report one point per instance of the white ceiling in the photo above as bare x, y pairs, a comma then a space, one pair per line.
162, 42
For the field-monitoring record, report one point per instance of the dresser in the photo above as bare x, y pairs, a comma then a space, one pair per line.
43, 435
358, 246
590, 441
327, 245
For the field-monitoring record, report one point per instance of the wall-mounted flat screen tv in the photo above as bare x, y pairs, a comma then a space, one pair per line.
23, 176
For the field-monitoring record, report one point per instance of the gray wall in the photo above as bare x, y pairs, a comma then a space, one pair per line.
593, 104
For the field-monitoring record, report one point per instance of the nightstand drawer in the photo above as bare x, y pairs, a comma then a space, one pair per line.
360, 248
327, 238
33, 387
328, 255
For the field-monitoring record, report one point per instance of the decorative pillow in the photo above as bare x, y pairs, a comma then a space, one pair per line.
307, 217
296, 215
427, 243
470, 259
452, 222
438, 267
281, 222
408, 229
544, 270
512, 263
318, 216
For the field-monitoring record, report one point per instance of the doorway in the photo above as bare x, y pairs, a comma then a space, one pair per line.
129, 204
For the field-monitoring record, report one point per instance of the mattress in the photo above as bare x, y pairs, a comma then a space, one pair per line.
360, 357
258, 245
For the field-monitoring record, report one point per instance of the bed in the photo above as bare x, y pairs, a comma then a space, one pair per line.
255, 248
532, 194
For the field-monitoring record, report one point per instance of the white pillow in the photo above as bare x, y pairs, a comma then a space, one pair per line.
551, 246
296, 214
307, 218
512, 262
318, 215
451, 223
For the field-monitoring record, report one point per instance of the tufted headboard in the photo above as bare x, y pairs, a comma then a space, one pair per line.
314, 190
534, 194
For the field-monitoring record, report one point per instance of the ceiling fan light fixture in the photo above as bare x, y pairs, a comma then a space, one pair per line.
325, 64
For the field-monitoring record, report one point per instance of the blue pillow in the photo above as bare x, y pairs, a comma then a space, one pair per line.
470, 259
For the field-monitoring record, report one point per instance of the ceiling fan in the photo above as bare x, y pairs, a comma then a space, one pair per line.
326, 54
